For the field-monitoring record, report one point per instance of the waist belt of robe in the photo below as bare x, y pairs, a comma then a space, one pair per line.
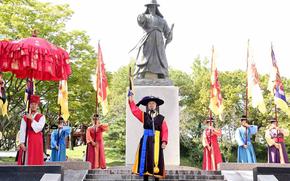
147, 132
279, 140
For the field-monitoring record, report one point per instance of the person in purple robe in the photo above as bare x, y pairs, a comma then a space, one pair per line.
274, 135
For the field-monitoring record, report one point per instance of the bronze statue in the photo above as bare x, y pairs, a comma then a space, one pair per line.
153, 62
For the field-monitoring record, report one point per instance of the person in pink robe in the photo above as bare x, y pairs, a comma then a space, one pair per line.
95, 144
211, 151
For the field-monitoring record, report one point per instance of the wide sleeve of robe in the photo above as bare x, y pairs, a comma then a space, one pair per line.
136, 111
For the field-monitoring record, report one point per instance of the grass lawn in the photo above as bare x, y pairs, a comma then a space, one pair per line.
112, 160
78, 154
7, 159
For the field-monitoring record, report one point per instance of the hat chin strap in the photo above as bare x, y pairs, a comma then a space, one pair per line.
153, 113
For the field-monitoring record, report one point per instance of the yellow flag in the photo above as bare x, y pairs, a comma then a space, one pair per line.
63, 99
3, 98
216, 102
254, 90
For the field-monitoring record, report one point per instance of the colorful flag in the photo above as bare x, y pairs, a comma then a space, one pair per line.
215, 105
29, 90
276, 87
254, 90
3, 98
63, 99
101, 82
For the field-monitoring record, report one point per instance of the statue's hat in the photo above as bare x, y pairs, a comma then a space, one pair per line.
152, 2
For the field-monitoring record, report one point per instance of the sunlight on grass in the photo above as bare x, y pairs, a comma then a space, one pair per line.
78, 154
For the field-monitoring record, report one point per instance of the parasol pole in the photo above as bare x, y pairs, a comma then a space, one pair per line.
30, 91
59, 86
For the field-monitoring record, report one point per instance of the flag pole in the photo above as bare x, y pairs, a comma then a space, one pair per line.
246, 98
97, 77
210, 92
276, 113
247, 93
275, 106
210, 116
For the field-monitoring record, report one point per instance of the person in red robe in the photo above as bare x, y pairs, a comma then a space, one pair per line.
95, 144
31, 138
211, 150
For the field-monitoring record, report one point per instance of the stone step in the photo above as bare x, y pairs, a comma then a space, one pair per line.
175, 176
173, 173
151, 179
168, 172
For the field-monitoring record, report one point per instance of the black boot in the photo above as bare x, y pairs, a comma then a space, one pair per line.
145, 177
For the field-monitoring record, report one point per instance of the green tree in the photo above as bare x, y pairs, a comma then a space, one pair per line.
17, 20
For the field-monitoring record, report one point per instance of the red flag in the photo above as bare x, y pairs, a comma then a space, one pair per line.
101, 82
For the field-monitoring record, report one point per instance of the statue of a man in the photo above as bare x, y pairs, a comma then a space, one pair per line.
153, 60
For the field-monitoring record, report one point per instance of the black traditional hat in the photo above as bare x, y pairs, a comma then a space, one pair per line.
209, 119
271, 120
95, 116
60, 120
144, 101
53, 126
152, 2
244, 118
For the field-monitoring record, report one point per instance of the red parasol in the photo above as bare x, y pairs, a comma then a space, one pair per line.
3, 55
36, 58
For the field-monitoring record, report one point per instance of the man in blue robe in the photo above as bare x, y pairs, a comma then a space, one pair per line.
58, 141
246, 153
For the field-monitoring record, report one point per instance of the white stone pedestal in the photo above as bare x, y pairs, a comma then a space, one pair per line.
170, 109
